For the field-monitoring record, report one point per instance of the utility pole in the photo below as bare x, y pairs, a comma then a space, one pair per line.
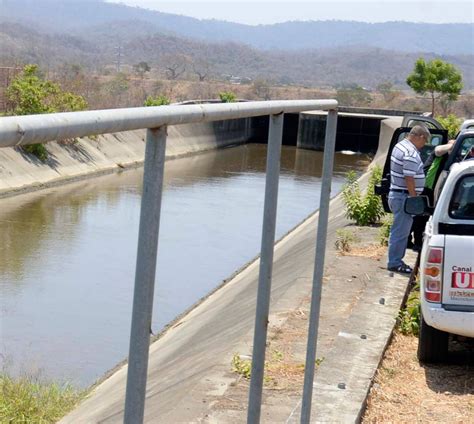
119, 55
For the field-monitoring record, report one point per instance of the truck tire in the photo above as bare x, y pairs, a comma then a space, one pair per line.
432, 344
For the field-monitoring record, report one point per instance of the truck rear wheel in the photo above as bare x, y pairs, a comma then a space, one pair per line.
432, 343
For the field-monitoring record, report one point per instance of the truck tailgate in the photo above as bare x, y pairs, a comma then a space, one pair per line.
458, 286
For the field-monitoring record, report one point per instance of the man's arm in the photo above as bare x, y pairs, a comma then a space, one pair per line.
410, 182
444, 148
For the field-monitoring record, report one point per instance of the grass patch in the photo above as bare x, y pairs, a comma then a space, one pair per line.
27, 400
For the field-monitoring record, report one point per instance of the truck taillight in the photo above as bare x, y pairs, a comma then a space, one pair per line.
435, 255
433, 272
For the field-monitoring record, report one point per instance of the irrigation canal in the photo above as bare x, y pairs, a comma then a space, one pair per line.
67, 257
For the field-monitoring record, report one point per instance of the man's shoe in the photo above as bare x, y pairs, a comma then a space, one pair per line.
401, 269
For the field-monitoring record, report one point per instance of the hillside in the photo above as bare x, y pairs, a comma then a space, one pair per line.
96, 50
74, 16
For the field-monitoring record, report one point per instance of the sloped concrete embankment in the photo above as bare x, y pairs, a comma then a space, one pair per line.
86, 157
189, 368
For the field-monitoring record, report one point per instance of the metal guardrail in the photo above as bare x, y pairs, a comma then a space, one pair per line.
20, 130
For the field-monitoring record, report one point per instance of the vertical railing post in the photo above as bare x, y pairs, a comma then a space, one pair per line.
329, 147
266, 264
145, 275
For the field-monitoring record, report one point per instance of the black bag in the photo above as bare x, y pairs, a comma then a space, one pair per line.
383, 187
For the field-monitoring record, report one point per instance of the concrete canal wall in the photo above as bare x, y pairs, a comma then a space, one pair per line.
84, 157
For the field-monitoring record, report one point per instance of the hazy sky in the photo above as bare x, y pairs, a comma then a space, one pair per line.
268, 12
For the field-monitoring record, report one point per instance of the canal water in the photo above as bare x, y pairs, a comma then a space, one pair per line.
67, 257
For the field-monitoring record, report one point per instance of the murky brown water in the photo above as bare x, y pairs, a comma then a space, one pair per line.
67, 257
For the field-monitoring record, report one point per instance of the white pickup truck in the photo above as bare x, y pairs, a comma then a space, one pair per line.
447, 263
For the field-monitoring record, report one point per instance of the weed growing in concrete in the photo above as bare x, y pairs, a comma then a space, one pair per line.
241, 366
277, 355
26, 400
364, 209
409, 317
319, 361
344, 239
384, 232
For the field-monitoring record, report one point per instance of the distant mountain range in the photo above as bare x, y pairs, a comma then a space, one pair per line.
75, 15
317, 53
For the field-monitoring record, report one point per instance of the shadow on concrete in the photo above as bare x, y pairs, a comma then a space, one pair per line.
30, 158
77, 152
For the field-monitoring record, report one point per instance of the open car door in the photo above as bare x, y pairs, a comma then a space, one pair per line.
438, 137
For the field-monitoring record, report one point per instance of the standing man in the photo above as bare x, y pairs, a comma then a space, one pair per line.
406, 179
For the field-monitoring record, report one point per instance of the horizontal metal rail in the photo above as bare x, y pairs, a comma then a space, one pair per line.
19, 130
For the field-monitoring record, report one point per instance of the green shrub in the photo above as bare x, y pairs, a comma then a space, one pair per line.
156, 101
344, 239
30, 94
38, 150
227, 97
384, 232
409, 317
364, 209
451, 122
26, 400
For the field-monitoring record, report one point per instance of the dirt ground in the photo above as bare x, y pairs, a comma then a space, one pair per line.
406, 392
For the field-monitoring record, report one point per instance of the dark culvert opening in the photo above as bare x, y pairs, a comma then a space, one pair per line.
359, 134
355, 133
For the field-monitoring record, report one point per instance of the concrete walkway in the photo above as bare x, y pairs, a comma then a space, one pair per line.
189, 365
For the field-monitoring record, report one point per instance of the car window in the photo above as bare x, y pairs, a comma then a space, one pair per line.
428, 124
466, 151
462, 201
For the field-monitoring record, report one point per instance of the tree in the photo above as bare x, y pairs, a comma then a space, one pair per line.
118, 85
353, 95
201, 68
141, 68
441, 80
30, 94
388, 91
175, 66
451, 122
261, 89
